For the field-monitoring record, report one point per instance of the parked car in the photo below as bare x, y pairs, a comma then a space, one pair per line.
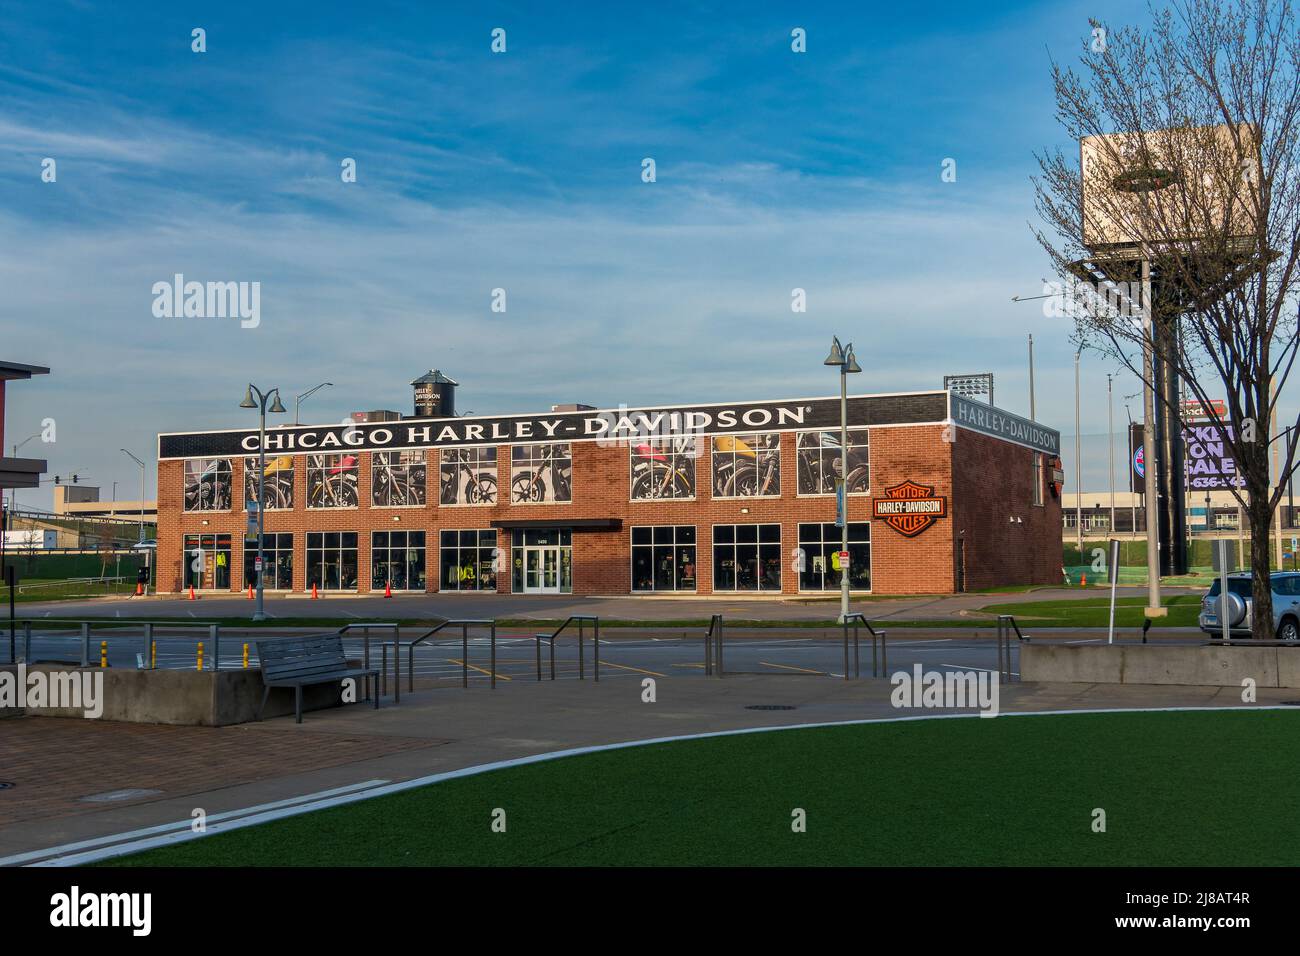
1240, 605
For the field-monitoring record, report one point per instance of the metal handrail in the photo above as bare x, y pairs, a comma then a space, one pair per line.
410, 652
365, 657
464, 625
879, 643
713, 647
85, 626
1007, 624
582, 670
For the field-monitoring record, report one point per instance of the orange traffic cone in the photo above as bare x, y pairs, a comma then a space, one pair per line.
388, 589
1083, 580
139, 589
314, 595
250, 592
192, 597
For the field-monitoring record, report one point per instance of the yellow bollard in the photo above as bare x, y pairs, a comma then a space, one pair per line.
103, 653
153, 654
200, 665
245, 656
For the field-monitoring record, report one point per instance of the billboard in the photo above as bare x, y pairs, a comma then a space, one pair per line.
1132, 180
1207, 458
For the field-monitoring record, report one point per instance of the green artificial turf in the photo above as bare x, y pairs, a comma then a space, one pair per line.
1202, 789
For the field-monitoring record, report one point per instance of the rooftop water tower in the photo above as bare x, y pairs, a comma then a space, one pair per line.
435, 395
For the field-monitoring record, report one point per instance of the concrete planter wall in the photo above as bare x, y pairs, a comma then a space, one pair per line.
195, 698
1204, 666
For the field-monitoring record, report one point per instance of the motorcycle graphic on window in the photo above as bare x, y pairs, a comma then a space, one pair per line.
467, 479
544, 479
277, 482
819, 463
332, 481
207, 485
741, 470
398, 481
660, 473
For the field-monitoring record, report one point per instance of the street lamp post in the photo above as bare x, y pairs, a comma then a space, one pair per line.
276, 407
13, 495
843, 358
299, 399
141, 464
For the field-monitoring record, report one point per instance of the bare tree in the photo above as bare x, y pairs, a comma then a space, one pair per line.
1181, 216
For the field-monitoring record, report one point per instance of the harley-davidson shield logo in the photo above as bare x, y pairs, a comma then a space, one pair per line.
910, 508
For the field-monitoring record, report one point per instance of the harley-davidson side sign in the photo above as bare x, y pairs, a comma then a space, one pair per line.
910, 508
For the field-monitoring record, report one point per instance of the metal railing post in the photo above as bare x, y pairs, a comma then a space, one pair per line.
846, 648
552, 657
464, 655
884, 653
383, 669
857, 666
721, 638
214, 635
708, 650
85, 643
1001, 627
397, 664
595, 645
537, 646
494, 654
27, 642
582, 668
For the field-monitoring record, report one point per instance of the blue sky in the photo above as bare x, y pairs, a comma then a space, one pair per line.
521, 171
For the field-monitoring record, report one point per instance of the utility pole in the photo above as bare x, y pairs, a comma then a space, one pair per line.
1110, 445
1152, 495
1078, 461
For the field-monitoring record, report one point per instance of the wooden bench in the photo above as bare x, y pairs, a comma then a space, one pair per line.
301, 661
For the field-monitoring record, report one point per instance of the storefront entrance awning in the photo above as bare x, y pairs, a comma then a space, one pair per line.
574, 524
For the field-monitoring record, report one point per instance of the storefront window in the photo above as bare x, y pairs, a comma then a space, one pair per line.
469, 560
541, 473
664, 468
541, 561
747, 466
207, 562
468, 476
663, 558
332, 560
277, 569
819, 560
398, 479
747, 557
207, 484
397, 560
277, 494
819, 462
332, 481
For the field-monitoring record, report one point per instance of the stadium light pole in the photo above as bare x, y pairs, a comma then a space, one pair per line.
13, 495
843, 358
141, 464
258, 613
1078, 460
301, 398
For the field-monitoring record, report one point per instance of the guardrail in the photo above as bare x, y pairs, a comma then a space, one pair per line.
582, 619
464, 626
1006, 624
365, 656
85, 628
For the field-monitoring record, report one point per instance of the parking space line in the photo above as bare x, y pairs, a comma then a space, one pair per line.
791, 667
637, 669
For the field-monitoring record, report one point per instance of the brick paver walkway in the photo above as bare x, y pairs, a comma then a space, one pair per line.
54, 763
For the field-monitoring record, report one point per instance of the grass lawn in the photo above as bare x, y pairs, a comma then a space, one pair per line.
60, 590
1095, 612
1202, 789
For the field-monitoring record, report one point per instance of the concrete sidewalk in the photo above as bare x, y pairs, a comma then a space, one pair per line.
55, 764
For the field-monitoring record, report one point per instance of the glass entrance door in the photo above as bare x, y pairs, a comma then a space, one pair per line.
542, 570
542, 561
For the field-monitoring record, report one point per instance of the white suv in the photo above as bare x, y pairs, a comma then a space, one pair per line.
1286, 606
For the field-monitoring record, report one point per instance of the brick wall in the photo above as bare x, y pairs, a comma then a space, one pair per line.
601, 483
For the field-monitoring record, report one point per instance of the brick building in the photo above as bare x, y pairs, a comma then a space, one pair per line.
943, 494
